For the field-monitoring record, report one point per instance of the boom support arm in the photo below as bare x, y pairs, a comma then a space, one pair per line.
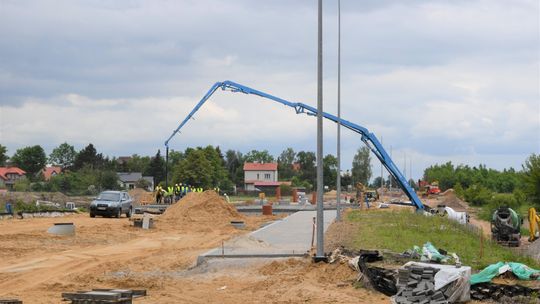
367, 137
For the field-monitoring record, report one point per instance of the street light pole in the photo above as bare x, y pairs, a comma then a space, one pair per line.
338, 180
320, 187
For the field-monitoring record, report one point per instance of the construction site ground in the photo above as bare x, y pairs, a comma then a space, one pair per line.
37, 267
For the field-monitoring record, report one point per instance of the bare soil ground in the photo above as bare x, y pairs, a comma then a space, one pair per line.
109, 253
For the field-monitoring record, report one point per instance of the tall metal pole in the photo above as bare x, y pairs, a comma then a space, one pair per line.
167, 167
338, 180
382, 183
320, 187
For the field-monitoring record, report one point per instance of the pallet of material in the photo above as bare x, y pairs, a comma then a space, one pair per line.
101, 296
10, 301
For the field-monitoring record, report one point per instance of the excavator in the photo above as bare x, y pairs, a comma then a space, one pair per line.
534, 225
300, 108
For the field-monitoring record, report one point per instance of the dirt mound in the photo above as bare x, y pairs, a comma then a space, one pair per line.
450, 199
205, 207
141, 196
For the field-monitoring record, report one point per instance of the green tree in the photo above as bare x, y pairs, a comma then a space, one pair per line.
285, 164
63, 156
377, 182
259, 156
156, 168
138, 163
195, 169
108, 180
361, 166
219, 175
31, 159
330, 171
346, 179
3, 155
88, 157
233, 162
531, 179
308, 171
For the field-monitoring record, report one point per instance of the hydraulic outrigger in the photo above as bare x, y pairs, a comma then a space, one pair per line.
368, 138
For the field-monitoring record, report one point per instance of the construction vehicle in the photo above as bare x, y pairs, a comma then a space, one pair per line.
300, 108
534, 225
432, 188
506, 227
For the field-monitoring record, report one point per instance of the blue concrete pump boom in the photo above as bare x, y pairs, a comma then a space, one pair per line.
367, 137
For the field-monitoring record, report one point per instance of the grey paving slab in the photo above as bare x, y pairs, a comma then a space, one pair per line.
288, 237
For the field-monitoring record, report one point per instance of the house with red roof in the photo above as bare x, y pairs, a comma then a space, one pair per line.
9, 175
51, 171
258, 176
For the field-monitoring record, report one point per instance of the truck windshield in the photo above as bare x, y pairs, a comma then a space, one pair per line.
107, 196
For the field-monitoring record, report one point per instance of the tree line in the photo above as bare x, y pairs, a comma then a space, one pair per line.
88, 171
482, 186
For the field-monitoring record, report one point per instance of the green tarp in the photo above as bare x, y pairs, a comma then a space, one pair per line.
522, 271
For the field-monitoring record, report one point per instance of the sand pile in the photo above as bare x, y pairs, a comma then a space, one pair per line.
141, 196
450, 199
205, 207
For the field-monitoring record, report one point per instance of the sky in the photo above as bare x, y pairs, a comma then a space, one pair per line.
436, 81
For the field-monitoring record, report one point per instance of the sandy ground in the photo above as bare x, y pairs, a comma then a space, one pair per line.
109, 253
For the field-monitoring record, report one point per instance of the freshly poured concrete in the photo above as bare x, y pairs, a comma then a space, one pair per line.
288, 237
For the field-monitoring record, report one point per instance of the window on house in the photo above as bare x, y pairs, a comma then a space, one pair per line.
267, 176
257, 175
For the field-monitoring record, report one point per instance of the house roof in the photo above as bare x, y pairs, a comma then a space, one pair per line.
266, 184
4, 171
48, 171
260, 166
126, 177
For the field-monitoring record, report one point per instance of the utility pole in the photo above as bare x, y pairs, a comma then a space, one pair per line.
382, 183
320, 187
338, 180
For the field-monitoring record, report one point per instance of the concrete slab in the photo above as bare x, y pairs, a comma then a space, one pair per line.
285, 238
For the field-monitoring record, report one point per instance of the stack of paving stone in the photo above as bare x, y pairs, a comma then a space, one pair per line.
417, 285
486, 291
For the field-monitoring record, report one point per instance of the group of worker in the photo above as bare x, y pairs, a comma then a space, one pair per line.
178, 191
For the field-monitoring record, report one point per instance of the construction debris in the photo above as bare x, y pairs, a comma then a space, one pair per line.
429, 253
99, 296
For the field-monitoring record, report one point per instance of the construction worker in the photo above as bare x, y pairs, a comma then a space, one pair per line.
159, 194
176, 192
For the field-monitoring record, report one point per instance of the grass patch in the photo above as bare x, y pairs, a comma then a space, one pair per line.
401, 230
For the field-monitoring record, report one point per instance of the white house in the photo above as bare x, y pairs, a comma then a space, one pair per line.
259, 175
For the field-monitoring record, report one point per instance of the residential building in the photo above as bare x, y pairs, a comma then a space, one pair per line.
51, 171
260, 175
128, 180
9, 175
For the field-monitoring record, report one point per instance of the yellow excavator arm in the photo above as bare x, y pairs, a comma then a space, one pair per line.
534, 223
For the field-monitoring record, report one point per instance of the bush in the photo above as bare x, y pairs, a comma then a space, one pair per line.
499, 200
286, 190
22, 185
477, 195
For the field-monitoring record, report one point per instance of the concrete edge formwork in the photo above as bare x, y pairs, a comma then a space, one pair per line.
202, 258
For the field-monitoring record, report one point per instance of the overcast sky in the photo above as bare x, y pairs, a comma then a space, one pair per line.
436, 80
